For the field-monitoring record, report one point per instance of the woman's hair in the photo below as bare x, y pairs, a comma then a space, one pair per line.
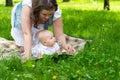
39, 5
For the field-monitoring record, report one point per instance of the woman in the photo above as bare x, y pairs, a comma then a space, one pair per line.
30, 16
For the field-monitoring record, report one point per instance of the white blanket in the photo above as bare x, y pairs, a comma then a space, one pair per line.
8, 47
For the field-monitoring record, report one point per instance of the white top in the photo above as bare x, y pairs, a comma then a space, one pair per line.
57, 13
34, 33
41, 49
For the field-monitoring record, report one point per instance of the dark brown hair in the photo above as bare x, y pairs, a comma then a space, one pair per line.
39, 5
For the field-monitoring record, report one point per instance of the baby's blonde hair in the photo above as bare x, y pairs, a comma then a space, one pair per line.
43, 34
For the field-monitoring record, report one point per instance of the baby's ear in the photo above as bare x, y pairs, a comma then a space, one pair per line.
45, 43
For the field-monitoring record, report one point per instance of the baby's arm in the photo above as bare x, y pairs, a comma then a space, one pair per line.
36, 52
58, 50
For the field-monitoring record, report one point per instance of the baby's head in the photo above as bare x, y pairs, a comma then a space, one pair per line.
46, 38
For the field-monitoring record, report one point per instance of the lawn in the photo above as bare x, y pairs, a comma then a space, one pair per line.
100, 59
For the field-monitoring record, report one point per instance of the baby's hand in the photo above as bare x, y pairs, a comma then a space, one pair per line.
59, 52
40, 56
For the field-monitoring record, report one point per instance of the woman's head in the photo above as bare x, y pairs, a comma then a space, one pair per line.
42, 10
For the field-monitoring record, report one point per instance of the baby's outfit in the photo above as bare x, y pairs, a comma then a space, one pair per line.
41, 49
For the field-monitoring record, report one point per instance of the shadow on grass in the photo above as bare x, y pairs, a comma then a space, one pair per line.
54, 58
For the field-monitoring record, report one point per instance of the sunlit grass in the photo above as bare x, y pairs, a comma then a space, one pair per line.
90, 5
100, 59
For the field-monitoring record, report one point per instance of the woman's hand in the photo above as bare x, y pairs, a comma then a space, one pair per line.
69, 49
25, 57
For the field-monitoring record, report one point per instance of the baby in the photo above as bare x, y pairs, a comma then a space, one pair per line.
47, 44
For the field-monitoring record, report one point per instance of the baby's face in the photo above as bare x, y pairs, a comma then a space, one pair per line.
50, 41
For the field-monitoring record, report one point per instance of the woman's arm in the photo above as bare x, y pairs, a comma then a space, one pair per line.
58, 31
26, 28
59, 34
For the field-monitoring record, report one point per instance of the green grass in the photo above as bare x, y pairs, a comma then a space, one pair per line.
99, 61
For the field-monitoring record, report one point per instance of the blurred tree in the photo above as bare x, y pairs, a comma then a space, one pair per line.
9, 3
66, 0
106, 5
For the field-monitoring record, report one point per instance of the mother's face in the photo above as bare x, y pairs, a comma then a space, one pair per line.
44, 15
